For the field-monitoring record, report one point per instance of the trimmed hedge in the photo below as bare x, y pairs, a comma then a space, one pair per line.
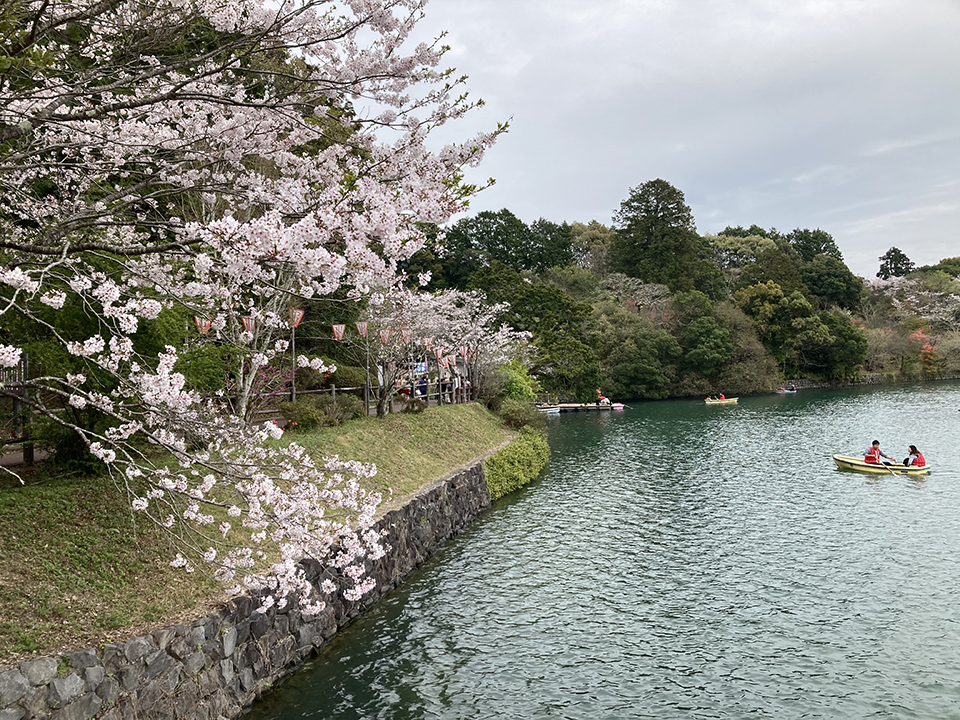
518, 463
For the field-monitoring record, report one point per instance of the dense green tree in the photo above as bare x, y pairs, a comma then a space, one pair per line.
735, 251
653, 208
564, 360
707, 347
656, 241
949, 349
832, 282
574, 280
516, 382
201, 365
706, 276
543, 308
425, 261
688, 306
551, 245
786, 324
473, 242
753, 230
591, 246
894, 263
751, 368
501, 236
652, 300
536, 307
937, 282
777, 266
565, 365
947, 266
500, 283
950, 266
638, 359
810, 243
807, 334
422, 261
842, 357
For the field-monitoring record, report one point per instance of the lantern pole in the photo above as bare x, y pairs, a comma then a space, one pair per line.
293, 364
366, 388
296, 315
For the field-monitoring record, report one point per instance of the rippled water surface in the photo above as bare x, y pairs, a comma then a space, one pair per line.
683, 561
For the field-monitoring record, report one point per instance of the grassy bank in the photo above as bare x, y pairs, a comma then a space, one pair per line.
77, 569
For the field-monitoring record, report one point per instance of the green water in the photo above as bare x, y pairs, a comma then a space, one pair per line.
683, 561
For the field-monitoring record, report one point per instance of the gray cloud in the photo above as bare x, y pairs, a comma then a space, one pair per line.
836, 114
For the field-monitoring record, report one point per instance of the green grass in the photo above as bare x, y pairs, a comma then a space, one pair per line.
78, 568
410, 449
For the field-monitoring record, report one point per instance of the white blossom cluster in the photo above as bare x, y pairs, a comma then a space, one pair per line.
138, 177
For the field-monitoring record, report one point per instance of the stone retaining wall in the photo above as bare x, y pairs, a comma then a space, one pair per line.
866, 381
212, 668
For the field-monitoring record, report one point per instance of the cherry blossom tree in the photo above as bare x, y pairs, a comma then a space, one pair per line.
228, 157
458, 324
935, 299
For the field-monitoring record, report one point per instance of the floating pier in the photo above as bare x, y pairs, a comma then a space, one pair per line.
579, 407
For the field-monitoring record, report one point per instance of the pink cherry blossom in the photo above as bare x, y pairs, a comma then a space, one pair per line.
178, 179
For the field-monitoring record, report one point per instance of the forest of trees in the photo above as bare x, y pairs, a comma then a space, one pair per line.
649, 308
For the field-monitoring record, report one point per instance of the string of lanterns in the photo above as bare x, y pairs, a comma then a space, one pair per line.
339, 332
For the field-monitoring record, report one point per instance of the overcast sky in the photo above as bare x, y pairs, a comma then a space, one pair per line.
834, 114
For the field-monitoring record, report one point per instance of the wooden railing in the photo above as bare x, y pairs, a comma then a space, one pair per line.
14, 383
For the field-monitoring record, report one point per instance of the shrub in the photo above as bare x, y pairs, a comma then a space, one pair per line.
516, 382
316, 411
517, 414
348, 376
70, 453
518, 463
413, 405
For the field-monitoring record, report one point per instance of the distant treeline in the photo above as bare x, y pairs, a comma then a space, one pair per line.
649, 308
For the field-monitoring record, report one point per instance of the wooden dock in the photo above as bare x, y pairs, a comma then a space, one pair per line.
580, 407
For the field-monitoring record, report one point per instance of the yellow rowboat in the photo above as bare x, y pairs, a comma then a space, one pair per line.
725, 401
847, 462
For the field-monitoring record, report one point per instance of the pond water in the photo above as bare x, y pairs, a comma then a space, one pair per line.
683, 561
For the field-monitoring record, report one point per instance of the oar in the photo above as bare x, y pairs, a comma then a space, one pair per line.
889, 468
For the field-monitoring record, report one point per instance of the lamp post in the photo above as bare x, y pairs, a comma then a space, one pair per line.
296, 315
362, 329
427, 345
438, 354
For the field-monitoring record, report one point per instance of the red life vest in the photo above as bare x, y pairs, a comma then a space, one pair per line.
919, 461
872, 456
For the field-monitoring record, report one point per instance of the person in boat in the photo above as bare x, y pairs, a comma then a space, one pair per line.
872, 455
792, 388
722, 397
915, 458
